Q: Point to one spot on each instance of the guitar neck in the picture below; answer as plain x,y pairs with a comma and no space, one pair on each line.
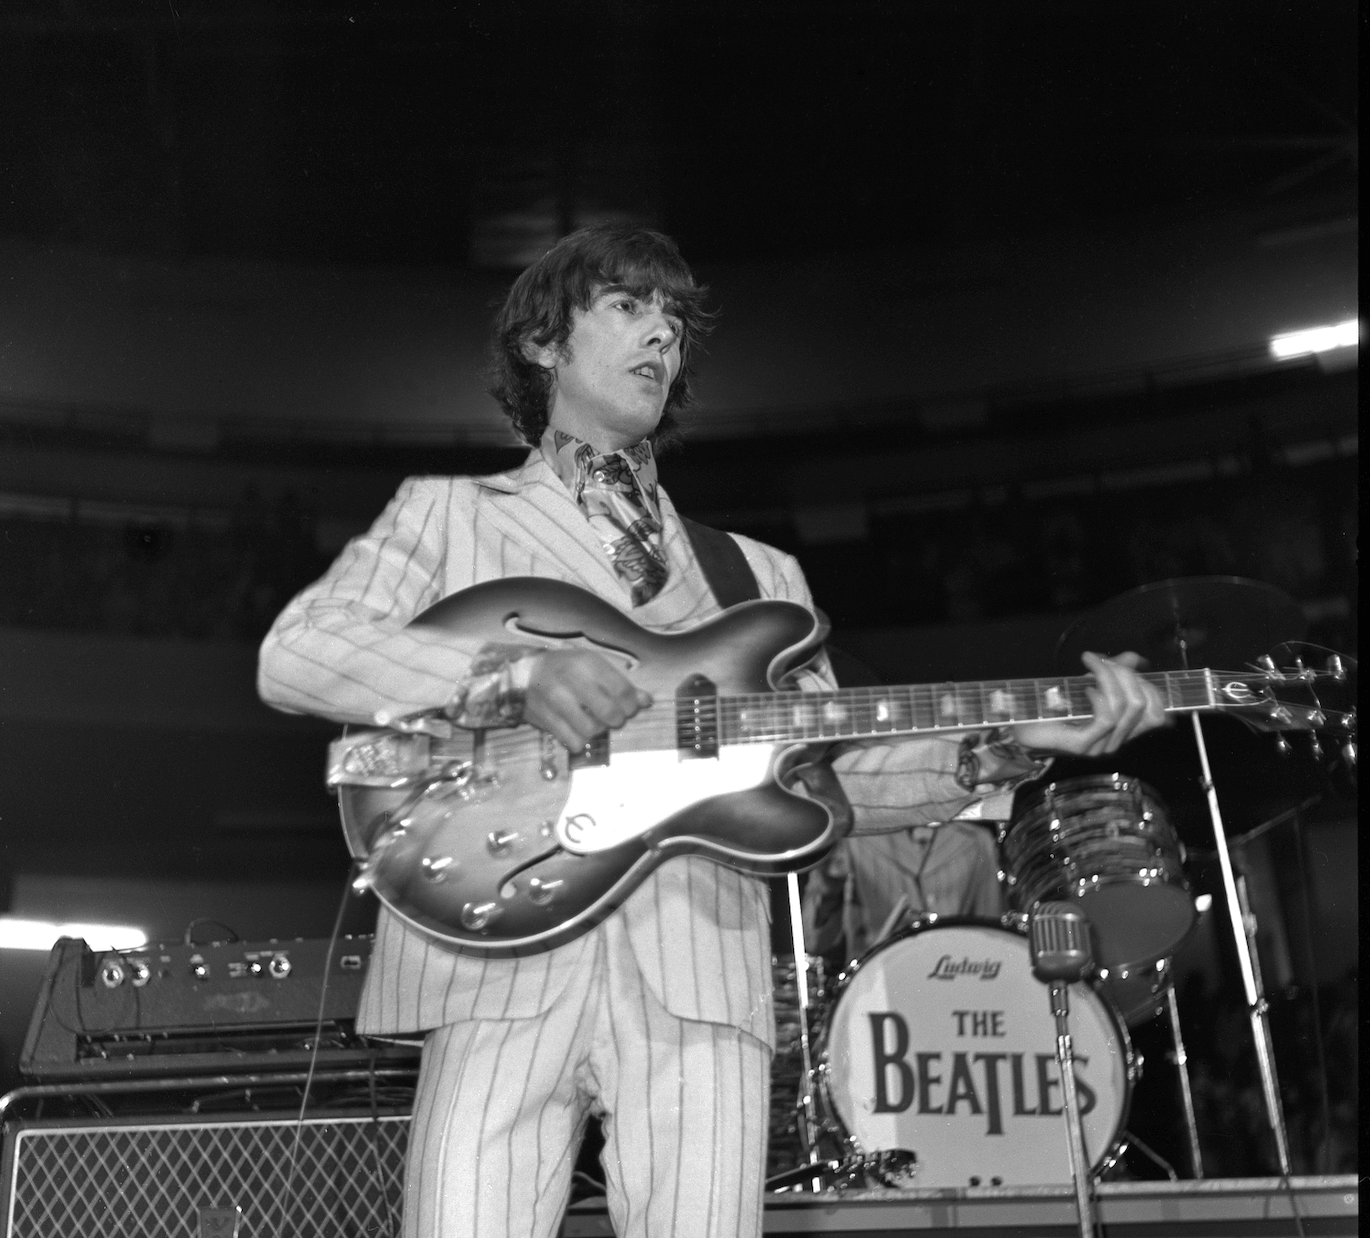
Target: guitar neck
914,709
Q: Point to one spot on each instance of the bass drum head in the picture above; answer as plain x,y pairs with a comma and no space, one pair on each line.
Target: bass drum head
942,1042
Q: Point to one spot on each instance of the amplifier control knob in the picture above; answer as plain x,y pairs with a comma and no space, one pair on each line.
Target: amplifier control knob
200,971
279,967
140,973
112,974
254,968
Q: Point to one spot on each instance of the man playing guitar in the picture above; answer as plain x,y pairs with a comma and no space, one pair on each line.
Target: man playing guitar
657,1016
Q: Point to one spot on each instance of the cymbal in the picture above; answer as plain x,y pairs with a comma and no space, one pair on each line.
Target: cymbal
1195,621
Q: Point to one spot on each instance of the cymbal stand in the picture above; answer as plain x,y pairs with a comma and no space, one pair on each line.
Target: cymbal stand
1244,935
1196,1163
808,1113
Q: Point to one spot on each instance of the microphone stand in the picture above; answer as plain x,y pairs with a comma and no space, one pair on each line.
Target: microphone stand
1061,953
1243,934
1065,1059
808,1115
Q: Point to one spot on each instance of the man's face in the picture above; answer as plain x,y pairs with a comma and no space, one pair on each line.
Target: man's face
611,379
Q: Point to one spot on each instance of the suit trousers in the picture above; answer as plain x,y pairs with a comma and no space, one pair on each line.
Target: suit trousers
503,1104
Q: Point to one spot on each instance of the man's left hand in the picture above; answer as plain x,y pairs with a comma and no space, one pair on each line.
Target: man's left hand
1124,704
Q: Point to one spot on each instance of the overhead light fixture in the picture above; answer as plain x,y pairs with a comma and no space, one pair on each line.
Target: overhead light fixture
17,933
1315,340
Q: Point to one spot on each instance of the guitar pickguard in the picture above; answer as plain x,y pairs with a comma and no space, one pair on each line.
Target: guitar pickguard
624,799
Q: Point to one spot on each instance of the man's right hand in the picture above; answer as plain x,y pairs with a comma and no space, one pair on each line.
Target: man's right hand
574,694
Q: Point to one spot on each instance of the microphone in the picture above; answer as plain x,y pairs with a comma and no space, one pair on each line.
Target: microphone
1058,935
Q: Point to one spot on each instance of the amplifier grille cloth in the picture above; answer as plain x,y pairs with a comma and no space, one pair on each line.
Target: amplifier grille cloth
146,1181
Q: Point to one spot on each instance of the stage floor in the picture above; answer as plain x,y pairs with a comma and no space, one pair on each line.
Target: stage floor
1207,1208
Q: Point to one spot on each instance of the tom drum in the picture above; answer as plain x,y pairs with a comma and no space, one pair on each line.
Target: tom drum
1106,843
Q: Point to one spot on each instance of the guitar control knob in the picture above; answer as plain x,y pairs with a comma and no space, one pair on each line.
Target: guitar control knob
477,916
279,967
500,841
543,892
139,973
199,971
435,867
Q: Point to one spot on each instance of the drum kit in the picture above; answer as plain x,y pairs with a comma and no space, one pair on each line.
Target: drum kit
930,1061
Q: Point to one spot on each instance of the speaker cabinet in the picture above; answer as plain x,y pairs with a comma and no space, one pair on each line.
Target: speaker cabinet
199,1177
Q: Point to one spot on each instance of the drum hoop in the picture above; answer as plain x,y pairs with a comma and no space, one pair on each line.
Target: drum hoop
1040,795
1011,922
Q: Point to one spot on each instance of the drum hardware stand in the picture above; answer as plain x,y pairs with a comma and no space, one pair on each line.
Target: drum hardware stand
897,913
1181,1059
1061,954
1244,935
808,1114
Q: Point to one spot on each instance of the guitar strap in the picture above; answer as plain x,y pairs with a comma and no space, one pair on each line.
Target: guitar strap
732,580
725,567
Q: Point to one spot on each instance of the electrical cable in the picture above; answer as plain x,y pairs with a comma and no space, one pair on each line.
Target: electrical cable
293,1160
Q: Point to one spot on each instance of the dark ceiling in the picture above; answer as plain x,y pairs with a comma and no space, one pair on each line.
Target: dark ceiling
468,134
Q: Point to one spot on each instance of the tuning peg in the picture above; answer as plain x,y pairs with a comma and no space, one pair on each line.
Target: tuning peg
1349,752
1336,668
1282,744
1267,664
1315,745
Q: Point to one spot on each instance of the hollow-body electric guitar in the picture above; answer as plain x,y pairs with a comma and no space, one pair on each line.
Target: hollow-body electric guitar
503,843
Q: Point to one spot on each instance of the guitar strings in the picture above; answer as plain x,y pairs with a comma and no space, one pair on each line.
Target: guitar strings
778,717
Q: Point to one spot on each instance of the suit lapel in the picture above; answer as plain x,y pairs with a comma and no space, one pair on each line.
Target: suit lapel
532,507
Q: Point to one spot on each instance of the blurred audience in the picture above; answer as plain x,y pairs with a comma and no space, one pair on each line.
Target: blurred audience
225,579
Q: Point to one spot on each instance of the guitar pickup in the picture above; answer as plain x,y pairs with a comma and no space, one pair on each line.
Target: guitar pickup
596,752
696,718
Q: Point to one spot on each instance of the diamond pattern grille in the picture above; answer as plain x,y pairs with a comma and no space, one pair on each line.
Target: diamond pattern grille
146,1181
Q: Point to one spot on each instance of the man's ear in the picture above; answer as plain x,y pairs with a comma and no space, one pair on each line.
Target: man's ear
545,355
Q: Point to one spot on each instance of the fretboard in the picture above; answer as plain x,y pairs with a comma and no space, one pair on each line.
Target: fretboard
858,713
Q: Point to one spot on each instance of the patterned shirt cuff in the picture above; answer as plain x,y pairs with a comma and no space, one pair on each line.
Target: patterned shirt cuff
493,693
996,761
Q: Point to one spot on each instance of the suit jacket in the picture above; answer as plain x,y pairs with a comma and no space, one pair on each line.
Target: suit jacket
342,649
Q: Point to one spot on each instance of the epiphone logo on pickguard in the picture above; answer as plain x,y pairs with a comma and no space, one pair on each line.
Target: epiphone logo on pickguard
946,969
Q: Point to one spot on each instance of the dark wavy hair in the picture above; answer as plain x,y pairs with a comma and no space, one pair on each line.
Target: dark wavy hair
568,277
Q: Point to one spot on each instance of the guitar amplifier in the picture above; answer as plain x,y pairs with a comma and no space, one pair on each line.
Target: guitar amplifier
240,1176
190,1009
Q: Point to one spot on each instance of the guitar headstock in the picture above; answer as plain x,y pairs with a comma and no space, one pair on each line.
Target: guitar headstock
1295,696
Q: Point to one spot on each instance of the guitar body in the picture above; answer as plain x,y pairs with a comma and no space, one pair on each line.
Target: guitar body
502,843
526,847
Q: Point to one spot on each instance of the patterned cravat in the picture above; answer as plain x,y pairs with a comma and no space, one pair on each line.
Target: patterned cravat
618,494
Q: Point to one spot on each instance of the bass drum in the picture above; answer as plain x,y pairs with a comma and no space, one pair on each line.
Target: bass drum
941,1041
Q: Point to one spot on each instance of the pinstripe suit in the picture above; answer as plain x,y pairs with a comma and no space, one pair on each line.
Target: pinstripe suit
694,938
